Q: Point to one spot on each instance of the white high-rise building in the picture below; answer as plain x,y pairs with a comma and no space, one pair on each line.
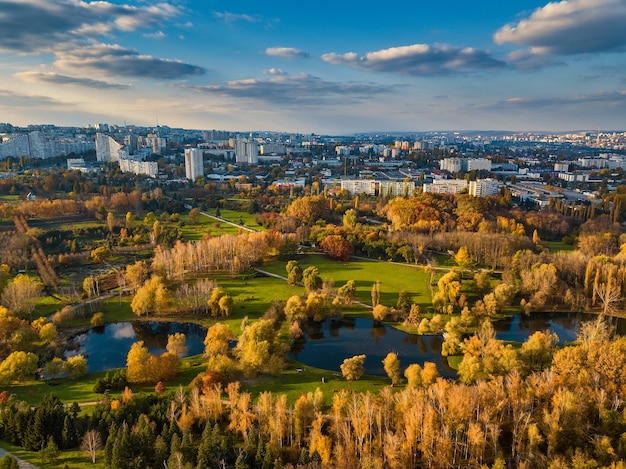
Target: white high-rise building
246,152
194,165
108,149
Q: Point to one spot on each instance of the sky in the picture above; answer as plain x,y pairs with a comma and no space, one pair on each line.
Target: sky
322,67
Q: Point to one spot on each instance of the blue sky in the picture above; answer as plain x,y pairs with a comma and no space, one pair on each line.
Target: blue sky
325,67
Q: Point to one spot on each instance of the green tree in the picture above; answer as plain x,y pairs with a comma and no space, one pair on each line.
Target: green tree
294,272
311,279
404,302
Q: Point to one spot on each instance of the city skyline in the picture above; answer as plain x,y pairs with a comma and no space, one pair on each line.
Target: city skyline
331,68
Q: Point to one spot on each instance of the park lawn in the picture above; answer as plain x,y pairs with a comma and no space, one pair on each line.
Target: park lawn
393,277
253,295
236,216
556,246
81,389
294,383
73,458
46,306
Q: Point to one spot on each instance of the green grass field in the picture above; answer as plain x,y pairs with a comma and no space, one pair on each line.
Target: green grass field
393,278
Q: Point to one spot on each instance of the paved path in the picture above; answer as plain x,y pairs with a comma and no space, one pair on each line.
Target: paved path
23,464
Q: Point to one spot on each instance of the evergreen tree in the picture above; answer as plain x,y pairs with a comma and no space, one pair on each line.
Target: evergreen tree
69,438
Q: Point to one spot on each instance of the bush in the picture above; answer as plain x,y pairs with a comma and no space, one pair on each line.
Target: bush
97,320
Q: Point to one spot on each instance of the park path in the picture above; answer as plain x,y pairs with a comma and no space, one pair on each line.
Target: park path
22,464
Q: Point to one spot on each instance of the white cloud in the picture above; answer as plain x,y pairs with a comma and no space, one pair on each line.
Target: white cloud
229,17
570,27
155,35
116,60
35,26
60,79
419,60
294,90
286,52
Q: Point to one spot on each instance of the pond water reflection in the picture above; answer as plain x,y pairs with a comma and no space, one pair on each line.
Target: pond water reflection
328,343
107,347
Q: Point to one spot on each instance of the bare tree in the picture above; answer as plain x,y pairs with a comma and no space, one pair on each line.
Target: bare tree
91,444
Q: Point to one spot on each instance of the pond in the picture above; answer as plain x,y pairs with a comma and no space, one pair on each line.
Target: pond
328,343
107,347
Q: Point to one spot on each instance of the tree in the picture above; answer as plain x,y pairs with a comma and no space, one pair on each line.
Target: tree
136,274
404,302
294,273
347,292
151,296
194,213
176,344
75,366
97,320
217,339
100,254
375,293
259,348
353,368
463,258
22,294
18,366
311,279
110,221
137,363
214,301
53,368
295,309
91,443
226,304
391,364
349,218
48,332
380,312
336,247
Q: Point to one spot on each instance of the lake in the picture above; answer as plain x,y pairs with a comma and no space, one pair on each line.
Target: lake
107,347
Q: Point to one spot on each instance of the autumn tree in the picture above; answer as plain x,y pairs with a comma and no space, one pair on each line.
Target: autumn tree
353,368
336,247
217,339
294,272
380,312
22,294
295,309
152,296
18,366
259,348
136,274
176,344
75,366
375,293
391,365
347,292
311,279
